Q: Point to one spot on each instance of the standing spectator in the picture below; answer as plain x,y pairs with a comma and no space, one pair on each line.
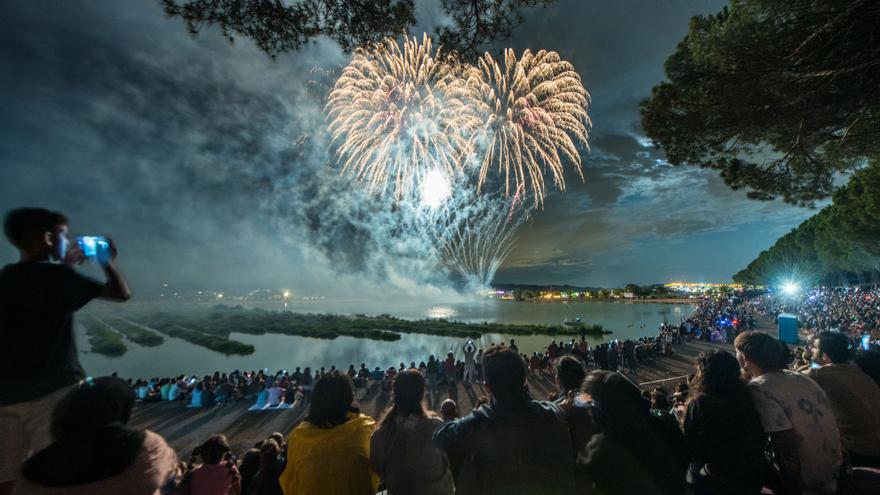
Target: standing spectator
95,452
449,369
631,450
854,397
722,429
329,452
401,451
514,445
218,475
795,412
433,368
38,358
469,350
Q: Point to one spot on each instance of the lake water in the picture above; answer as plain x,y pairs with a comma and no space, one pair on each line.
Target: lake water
174,356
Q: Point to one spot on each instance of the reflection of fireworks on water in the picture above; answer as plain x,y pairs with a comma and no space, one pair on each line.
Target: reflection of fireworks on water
537,114
395,112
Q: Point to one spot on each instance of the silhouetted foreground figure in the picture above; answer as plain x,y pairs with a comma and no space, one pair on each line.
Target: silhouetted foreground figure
38,358
513,445
94,452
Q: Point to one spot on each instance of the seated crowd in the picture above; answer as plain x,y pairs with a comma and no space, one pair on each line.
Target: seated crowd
748,424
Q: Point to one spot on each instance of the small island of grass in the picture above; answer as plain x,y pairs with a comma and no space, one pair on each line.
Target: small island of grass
102,338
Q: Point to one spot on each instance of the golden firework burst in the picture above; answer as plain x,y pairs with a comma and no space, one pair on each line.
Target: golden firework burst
536,110
400,112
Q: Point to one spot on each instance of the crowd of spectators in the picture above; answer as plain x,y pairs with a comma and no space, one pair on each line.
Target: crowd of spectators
744,423
854,311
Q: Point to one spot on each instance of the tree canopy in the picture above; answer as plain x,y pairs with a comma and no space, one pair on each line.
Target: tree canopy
780,97
278,27
841,238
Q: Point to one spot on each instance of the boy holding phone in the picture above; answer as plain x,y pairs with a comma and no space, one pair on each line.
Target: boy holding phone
38,357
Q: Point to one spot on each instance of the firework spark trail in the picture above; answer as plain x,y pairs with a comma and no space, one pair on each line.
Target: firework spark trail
398,112
536,114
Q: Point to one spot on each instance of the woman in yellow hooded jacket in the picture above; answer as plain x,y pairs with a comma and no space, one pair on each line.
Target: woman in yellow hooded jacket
329,452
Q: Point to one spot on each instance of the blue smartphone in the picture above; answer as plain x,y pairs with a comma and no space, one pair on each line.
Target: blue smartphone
866,342
95,247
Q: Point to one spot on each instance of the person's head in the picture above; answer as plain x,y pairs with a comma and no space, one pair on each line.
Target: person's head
96,403
448,410
250,463
831,347
213,449
505,372
615,398
717,373
570,373
331,400
758,352
278,437
408,390
38,233
269,452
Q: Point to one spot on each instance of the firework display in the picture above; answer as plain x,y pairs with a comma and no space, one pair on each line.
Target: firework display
396,114
537,113
458,147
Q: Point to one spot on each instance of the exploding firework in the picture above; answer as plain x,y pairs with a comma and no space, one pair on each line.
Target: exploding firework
398,112
536,111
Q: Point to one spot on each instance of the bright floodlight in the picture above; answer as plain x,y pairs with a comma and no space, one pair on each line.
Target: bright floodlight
435,188
790,288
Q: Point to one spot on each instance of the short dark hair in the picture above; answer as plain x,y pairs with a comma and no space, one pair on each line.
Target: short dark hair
761,349
213,449
835,344
95,404
23,225
570,373
505,371
331,400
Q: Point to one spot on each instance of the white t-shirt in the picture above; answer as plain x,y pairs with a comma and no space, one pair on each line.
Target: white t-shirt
790,401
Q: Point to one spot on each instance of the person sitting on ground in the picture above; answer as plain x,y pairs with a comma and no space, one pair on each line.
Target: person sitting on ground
38,360
489,446
570,374
449,410
795,412
722,430
329,452
265,481
218,475
630,451
197,393
94,451
853,395
262,399
401,451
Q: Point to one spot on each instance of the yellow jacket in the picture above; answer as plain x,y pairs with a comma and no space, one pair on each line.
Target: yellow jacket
334,461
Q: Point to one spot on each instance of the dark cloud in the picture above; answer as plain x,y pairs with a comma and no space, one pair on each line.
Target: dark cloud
197,154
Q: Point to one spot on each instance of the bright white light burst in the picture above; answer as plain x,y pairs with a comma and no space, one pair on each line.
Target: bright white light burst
435,188
790,288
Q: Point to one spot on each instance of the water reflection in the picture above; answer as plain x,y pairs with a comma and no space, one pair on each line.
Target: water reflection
276,352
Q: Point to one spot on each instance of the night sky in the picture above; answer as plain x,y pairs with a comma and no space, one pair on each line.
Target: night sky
183,149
